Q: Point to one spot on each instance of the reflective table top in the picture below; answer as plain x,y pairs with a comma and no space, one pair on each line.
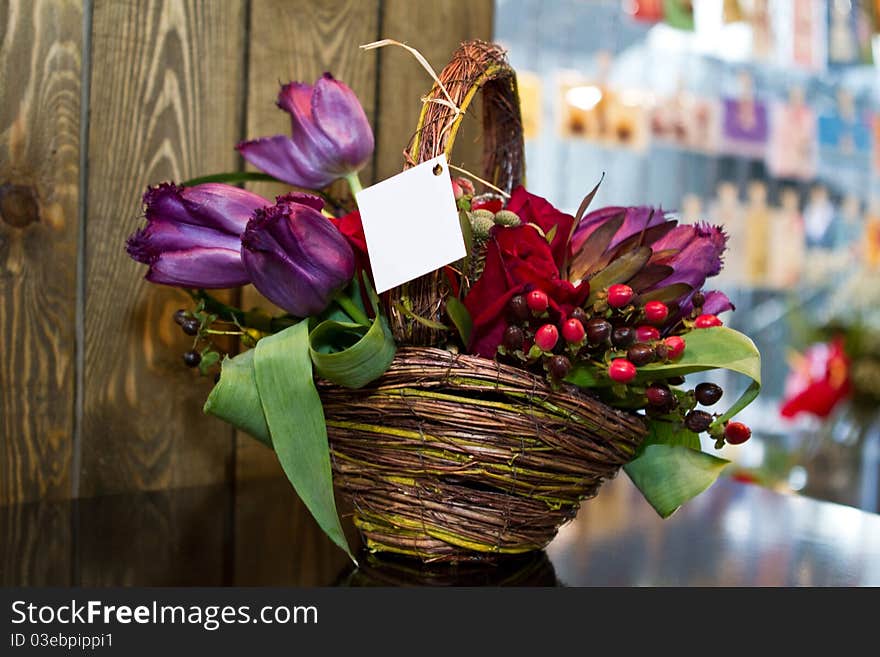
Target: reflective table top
257,533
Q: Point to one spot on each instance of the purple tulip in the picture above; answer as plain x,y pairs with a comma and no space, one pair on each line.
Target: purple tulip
331,137
295,256
192,237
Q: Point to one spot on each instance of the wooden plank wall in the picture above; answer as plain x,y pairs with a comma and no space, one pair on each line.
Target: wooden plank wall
99,98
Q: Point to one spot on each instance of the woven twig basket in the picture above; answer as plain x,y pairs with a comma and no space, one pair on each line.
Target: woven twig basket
450,457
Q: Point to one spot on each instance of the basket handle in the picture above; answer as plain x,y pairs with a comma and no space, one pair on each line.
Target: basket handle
474,65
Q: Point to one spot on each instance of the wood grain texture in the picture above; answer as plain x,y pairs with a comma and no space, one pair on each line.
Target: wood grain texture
40,64
436,29
165,105
327,38
36,548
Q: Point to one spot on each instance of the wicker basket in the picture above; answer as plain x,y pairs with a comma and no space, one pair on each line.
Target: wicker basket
451,457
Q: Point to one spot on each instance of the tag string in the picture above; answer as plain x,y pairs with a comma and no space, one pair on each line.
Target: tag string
478,179
448,102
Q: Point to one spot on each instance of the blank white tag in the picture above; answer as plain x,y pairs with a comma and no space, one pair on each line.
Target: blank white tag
411,224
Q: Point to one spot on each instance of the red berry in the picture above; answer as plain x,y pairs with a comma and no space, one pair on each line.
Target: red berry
546,337
647,334
619,295
573,331
538,301
736,433
621,370
707,321
656,312
674,346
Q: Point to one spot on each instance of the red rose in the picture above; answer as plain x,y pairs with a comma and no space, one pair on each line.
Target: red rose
518,260
536,210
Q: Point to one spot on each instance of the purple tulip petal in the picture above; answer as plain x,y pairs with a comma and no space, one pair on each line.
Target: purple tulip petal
337,112
213,205
701,247
223,206
716,303
279,157
296,257
160,236
199,267
310,200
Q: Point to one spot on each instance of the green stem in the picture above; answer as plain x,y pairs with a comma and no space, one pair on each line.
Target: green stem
354,183
352,309
255,319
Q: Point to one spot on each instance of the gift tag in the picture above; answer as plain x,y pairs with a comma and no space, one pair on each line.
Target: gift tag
411,224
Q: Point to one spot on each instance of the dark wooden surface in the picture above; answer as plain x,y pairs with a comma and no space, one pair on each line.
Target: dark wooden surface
40,66
256,533
171,86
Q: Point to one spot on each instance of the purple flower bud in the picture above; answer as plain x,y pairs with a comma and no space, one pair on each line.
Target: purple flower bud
295,256
331,136
192,236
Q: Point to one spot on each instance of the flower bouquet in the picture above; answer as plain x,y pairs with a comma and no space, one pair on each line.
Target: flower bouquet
468,412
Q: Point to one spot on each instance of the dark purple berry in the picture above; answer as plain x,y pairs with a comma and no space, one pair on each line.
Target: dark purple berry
640,354
598,330
180,316
559,367
661,350
658,396
519,308
191,326
192,358
675,380
708,393
513,338
698,299
697,421
622,337
580,315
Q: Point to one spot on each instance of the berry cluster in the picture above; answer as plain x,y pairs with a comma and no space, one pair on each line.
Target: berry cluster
198,324
617,335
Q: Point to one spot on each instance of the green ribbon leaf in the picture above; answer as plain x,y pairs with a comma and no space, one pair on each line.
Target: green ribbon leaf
346,355
235,398
295,418
670,475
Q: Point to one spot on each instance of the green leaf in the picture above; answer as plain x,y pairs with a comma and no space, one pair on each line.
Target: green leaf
619,271
460,316
671,433
235,399
209,359
295,418
230,177
668,475
346,355
424,321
